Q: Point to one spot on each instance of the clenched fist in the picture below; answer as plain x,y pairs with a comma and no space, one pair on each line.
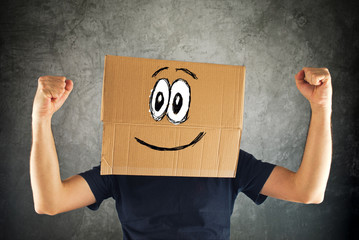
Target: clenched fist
51,93
315,84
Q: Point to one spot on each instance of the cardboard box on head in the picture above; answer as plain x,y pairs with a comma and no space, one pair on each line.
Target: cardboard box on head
171,118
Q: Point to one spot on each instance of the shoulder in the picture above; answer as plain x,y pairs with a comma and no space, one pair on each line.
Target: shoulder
98,182
245,158
244,155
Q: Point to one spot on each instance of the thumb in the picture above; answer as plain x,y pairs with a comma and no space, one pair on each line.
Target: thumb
300,75
299,79
68,88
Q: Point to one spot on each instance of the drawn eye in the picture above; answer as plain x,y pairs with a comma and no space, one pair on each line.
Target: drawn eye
180,99
159,99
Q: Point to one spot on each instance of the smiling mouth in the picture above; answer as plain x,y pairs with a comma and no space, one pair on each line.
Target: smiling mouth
194,141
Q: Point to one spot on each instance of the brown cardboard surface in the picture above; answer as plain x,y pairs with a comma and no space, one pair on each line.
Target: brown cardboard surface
135,142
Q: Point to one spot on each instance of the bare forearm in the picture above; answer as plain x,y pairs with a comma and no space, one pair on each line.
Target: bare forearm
308,184
313,173
44,168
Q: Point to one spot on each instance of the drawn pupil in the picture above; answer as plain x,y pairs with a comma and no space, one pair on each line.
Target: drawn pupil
177,103
159,101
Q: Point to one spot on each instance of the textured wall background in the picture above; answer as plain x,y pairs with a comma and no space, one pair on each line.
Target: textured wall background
273,39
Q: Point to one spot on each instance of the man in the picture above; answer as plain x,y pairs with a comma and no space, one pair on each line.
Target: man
180,207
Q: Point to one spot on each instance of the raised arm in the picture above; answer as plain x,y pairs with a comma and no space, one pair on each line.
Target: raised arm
51,194
308,184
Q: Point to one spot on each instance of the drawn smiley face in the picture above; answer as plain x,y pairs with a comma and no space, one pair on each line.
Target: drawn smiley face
172,101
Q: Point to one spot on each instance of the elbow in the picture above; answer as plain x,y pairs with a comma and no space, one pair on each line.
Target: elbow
313,198
45,210
47,204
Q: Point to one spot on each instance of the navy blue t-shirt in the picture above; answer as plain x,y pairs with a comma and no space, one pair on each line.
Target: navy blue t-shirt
156,207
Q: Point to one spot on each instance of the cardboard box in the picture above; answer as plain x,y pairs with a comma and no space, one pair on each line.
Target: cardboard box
171,118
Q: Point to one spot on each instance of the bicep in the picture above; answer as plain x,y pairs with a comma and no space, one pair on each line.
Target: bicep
281,185
76,194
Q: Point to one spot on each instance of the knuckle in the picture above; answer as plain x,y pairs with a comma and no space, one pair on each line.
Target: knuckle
60,85
60,91
42,87
45,92
41,79
42,84
325,71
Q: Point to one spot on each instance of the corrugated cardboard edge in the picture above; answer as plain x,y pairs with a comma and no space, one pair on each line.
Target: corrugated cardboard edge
103,88
241,119
106,168
242,101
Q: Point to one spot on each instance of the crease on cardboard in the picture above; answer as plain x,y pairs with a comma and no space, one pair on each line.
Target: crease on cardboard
200,165
107,166
233,108
218,150
237,89
167,125
177,153
220,160
220,131
222,95
113,144
128,147
175,163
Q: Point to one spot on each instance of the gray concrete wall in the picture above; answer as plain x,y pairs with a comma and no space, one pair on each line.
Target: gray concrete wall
273,39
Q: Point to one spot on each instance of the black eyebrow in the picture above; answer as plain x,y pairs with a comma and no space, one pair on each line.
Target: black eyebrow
188,72
159,70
